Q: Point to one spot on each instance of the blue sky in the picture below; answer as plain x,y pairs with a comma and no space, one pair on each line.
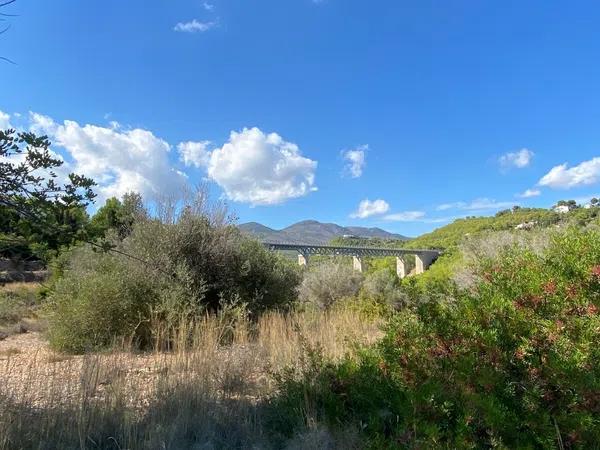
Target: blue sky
298,109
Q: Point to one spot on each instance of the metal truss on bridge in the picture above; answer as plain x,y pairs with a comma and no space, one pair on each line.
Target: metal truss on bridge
332,250
423,258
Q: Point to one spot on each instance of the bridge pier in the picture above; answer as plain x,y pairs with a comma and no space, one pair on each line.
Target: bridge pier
400,267
302,260
423,257
357,263
423,261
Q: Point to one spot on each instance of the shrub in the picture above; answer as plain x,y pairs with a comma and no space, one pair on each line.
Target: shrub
514,363
383,287
219,261
102,297
325,284
161,271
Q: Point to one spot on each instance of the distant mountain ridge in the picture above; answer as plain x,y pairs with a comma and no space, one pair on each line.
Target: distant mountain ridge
313,232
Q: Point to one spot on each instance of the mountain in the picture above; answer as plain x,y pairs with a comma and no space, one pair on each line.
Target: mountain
313,232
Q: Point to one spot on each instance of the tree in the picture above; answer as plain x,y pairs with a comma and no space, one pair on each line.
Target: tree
571,204
118,215
594,201
37,204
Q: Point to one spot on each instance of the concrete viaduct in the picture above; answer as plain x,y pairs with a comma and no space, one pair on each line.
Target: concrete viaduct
423,258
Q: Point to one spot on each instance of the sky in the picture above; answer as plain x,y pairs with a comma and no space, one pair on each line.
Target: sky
399,114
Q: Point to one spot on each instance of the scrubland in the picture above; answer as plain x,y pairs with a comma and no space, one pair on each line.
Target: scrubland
183,333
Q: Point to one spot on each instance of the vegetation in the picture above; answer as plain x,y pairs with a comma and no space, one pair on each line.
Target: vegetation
19,308
495,346
38,213
160,273
511,364
326,284
201,394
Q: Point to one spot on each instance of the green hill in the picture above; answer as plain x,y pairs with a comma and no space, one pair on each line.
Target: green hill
449,237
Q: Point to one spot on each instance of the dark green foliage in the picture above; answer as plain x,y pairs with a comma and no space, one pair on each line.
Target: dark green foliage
22,237
514,363
30,186
102,297
118,215
572,204
162,274
38,214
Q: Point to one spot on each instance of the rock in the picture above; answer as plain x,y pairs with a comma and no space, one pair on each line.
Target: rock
3,335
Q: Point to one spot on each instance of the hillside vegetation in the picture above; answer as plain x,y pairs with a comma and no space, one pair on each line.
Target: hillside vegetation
510,362
451,237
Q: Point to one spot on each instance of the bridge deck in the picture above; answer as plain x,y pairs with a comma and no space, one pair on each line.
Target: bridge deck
307,249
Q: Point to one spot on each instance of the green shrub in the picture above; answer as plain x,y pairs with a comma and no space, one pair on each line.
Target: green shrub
327,283
512,363
220,262
161,272
102,297
383,287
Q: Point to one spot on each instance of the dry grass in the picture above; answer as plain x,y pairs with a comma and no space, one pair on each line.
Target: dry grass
18,308
201,394
18,287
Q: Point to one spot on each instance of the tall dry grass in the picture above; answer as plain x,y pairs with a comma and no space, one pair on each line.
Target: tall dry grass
207,391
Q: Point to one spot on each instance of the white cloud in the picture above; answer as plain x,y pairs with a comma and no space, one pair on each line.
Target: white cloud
251,167
368,208
261,169
519,159
194,26
530,193
208,6
479,204
4,121
406,216
40,124
118,160
563,177
454,205
355,161
194,154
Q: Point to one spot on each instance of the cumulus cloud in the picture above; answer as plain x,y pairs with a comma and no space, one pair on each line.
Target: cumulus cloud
208,6
519,159
479,204
119,160
368,208
530,193
355,161
406,216
563,177
194,26
194,154
4,121
257,168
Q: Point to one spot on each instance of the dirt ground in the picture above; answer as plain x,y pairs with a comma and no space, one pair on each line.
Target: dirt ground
32,373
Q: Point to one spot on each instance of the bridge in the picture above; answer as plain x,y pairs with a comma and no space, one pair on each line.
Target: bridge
423,258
